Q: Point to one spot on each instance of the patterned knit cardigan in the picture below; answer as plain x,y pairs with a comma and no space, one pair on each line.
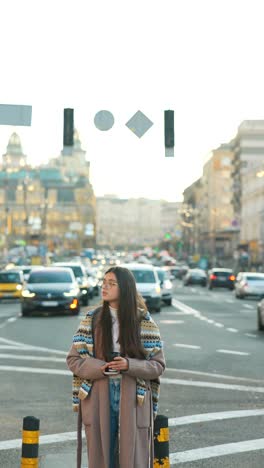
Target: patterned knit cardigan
84,344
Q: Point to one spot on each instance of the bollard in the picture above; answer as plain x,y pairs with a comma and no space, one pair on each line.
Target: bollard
161,442
30,442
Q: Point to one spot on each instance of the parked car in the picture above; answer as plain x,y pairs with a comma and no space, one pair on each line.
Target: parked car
11,283
195,276
165,285
148,284
249,284
80,274
50,289
221,278
260,315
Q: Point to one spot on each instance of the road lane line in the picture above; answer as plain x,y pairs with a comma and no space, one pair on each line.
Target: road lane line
218,416
188,383
248,306
219,376
251,335
22,357
232,330
197,383
181,345
217,451
229,351
35,348
172,321
35,370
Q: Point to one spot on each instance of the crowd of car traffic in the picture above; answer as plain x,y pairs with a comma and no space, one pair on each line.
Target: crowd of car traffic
68,285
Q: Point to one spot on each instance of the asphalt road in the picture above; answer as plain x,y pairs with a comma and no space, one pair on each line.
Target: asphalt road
212,390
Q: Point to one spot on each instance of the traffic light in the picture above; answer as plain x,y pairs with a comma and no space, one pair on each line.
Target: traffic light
68,127
169,128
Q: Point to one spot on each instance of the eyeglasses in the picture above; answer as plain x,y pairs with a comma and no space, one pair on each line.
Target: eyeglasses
109,284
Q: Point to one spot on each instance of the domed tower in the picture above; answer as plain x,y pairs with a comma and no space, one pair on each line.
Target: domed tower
14,158
74,163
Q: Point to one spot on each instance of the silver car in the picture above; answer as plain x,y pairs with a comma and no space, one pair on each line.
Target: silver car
249,284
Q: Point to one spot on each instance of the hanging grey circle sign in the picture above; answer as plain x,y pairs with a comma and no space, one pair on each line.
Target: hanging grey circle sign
104,120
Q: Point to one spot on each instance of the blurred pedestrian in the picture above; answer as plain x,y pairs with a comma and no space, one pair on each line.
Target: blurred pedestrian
117,359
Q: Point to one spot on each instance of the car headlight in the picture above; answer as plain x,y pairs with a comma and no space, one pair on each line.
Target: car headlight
71,293
27,293
19,287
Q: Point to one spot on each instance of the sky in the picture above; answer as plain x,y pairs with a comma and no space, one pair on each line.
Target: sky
203,59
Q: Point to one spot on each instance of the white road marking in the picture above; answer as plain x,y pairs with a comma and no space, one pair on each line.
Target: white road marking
171,321
218,416
31,358
248,306
12,319
17,348
207,374
218,376
232,330
217,451
197,383
180,345
240,388
35,348
228,351
35,370
175,313
230,301
177,457
220,325
251,335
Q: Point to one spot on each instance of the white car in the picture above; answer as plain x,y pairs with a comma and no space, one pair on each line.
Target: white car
165,284
249,284
148,284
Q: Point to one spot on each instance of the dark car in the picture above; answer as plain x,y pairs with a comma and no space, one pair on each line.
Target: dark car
195,276
50,289
81,278
221,278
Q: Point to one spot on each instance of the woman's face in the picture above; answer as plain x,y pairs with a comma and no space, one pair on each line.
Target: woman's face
110,289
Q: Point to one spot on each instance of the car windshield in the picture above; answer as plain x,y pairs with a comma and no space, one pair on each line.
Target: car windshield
50,277
222,273
10,278
254,278
76,270
144,276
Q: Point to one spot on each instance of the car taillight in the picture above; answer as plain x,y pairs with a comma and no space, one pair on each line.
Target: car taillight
212,277
232,277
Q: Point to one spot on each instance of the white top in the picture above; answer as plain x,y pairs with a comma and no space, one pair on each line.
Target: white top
115,330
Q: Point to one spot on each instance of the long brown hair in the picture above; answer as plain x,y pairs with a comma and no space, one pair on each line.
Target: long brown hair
128,314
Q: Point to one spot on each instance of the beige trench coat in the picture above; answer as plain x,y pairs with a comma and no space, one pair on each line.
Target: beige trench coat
136,422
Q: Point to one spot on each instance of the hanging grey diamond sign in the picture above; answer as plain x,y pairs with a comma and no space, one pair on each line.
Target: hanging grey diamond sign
139,124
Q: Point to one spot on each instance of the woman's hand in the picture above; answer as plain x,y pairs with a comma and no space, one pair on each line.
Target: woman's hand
118,364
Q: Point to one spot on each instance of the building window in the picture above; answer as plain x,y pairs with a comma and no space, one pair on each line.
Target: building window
65,195
11,194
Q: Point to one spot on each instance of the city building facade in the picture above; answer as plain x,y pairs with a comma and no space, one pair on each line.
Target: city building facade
53,204
127,223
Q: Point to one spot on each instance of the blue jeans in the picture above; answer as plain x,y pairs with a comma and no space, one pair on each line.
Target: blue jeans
114,397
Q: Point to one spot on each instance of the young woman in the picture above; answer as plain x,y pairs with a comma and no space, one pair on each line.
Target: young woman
117,359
